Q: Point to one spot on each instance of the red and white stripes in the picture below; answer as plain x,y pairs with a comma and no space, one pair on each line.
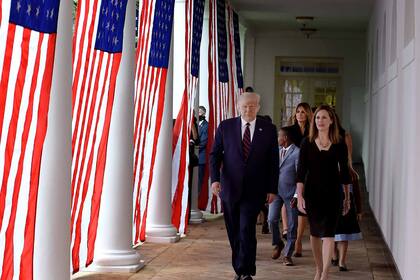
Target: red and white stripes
26,62
181,132
222,97
149,103
94,78
218,94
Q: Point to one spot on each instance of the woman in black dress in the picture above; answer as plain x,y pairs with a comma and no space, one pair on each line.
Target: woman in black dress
322,169
348,226
301,121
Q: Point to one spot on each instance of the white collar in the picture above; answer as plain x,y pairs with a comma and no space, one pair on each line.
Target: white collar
286,149
252,123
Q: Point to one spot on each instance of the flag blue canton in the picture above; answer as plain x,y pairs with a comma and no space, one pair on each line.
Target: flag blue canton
109,34
237,41
161,35
38,15
196,39
222,41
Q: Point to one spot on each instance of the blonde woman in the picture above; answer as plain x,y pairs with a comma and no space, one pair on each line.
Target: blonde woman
322,169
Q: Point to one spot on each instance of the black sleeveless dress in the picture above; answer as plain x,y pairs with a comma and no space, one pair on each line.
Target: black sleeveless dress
323,172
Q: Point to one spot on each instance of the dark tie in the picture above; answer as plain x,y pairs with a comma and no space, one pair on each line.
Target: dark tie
246,141
282,154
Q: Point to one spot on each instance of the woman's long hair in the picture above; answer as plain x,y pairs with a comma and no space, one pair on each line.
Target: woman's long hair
333,132
305,106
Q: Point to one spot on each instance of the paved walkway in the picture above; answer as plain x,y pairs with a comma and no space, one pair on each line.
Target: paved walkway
205,254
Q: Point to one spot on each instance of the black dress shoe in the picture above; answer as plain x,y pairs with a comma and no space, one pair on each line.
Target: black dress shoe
342,268
246,277
265,229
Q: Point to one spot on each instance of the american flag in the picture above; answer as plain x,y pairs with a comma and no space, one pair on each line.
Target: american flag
155,31
221,86
181,137
218,87
236,87
27,46
97,50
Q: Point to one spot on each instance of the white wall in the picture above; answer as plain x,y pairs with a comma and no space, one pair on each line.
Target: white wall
391,152
262,48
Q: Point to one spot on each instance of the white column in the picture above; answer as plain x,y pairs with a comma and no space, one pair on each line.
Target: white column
52,228
159,228
204,61
113,248
203,93
242,34
196,217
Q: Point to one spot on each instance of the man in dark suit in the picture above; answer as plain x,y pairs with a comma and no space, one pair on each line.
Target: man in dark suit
289,157
203,127
244,172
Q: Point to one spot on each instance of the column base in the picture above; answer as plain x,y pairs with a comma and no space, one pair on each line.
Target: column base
196,217
157,239
162,234
116,261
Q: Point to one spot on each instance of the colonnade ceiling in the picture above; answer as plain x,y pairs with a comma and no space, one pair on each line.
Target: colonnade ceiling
330,15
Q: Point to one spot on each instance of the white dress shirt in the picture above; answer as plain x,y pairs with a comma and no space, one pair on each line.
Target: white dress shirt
286,149
251,127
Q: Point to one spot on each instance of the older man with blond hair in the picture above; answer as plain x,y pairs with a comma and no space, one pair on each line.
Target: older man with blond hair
244,173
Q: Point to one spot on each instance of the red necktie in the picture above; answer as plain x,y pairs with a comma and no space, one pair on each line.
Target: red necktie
246,141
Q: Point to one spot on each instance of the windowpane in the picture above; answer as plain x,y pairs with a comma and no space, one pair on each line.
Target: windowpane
297,98
288,101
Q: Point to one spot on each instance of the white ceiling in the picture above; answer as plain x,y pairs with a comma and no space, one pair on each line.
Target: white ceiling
330,15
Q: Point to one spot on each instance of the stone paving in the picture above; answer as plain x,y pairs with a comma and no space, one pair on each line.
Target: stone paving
205,254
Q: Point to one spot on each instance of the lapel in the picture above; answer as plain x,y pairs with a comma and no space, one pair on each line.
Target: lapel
288,153
238,135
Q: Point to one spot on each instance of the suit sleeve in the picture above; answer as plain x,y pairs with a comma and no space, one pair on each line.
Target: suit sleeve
204,137
216,155
274,162
297,159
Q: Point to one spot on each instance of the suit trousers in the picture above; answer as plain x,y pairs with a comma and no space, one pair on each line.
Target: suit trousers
240,219
274,212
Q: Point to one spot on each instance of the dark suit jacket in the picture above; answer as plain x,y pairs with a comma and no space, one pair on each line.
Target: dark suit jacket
256,176
203,136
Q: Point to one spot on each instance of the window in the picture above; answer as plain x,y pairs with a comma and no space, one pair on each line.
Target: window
293,93
325,91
